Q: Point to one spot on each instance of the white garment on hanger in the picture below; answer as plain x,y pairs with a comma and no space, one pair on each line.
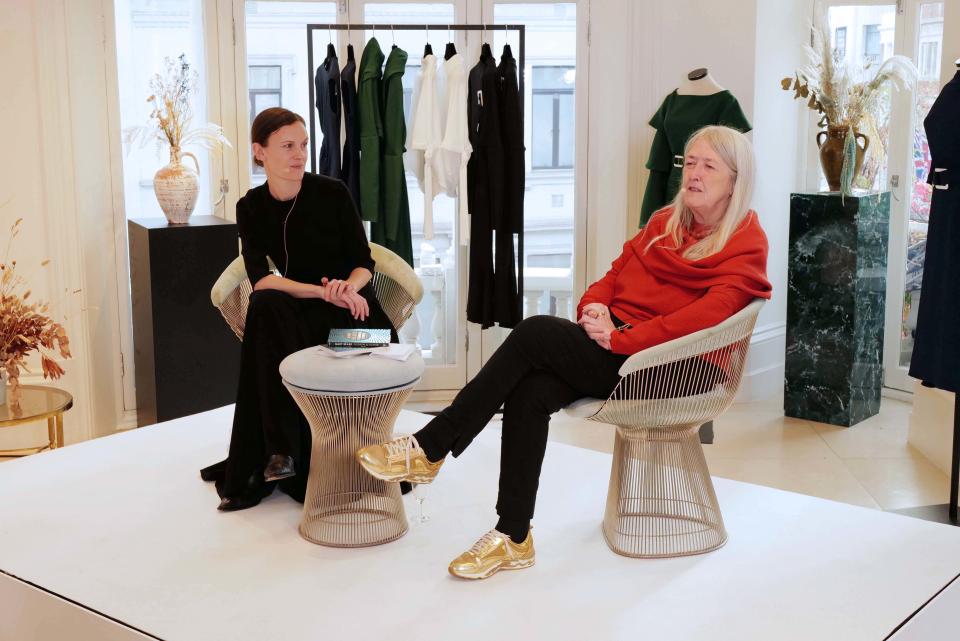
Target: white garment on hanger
450,161
424,137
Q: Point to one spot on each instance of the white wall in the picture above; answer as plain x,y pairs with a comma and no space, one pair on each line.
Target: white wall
778,140
60,181
748,46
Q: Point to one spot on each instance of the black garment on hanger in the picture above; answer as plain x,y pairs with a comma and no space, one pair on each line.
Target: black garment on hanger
936,350
495,177
327,81
484,185
508,304
450,52
350,171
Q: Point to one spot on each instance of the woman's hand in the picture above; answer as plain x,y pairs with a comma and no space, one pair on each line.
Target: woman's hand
596,310
336,288
343,294
599,326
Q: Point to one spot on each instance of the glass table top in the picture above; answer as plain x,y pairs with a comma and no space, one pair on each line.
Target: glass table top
36,402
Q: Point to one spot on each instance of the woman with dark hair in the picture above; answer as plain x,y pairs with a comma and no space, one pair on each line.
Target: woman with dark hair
309,227
696,263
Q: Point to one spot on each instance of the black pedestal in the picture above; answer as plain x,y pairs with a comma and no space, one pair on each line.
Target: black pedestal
187,359
835,306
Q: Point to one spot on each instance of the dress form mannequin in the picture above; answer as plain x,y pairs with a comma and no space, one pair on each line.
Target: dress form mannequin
698,82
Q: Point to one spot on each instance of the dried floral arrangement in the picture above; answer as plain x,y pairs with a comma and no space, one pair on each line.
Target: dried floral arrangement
24,326
172,114
831,89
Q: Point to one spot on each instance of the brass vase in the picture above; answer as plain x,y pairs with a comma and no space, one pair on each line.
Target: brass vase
831,153
177,186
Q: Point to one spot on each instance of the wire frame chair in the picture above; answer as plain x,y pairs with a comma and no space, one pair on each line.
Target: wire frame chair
661,501
395,284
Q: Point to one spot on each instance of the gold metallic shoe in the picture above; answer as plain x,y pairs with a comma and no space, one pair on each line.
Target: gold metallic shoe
401,459
494,551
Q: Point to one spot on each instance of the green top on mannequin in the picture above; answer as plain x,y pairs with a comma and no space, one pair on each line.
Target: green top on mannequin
675,121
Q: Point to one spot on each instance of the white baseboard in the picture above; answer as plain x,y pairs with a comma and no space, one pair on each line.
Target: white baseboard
765,366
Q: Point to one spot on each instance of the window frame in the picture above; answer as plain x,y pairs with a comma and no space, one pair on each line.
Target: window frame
555,117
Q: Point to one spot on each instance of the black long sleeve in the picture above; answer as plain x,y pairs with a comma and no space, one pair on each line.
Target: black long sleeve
252,247
320,235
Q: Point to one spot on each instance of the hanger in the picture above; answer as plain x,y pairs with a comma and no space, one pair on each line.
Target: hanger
427,49
393,36
451,47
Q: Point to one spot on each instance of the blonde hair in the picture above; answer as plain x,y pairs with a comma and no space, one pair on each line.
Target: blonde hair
736,153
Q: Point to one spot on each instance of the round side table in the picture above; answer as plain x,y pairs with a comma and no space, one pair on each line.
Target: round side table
37,402
349,402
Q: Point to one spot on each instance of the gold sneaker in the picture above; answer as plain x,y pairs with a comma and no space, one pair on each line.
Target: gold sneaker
401,459
494,551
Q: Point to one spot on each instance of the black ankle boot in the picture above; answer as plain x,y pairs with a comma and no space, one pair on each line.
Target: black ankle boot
278,467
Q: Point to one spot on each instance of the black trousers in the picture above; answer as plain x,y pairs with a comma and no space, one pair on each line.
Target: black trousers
545,364
266,420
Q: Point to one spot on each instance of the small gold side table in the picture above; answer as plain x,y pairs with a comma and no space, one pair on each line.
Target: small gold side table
37,402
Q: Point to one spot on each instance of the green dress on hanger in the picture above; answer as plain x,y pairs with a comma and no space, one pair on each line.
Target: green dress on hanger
675,121
392,229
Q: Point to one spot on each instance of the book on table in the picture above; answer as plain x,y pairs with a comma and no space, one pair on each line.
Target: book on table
357,338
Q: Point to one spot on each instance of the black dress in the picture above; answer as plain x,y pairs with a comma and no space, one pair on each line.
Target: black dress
350,169
327,84
323,238
508,304
485,186
936,350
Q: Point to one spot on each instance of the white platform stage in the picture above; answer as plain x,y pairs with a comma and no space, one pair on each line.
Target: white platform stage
119,539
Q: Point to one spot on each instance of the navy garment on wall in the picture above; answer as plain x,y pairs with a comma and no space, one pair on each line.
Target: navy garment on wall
327,82
936,349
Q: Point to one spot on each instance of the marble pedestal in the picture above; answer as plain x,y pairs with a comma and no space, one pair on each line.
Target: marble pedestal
835,306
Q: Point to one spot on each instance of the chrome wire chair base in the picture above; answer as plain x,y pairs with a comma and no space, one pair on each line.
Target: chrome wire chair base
369,518
344,506
661,501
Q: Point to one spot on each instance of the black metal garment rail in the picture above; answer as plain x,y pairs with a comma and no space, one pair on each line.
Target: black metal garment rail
342,26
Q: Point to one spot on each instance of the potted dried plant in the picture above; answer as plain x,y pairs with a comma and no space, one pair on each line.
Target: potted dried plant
176,185
25,327
844,99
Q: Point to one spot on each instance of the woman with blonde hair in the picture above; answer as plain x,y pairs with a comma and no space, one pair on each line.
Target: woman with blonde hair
697,262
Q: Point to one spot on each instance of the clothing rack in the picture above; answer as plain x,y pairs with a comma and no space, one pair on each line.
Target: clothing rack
342,26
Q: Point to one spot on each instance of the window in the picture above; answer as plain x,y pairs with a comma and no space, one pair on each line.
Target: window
871,44
409,78
265,82
147,32
549,260
265,91
553,117
929,58
840,41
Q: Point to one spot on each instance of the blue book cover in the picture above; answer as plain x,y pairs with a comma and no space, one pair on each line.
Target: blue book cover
359,337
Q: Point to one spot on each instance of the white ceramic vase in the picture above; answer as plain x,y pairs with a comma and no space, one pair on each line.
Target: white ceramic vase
177,186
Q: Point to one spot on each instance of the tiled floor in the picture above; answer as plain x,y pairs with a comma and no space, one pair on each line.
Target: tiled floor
869,464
